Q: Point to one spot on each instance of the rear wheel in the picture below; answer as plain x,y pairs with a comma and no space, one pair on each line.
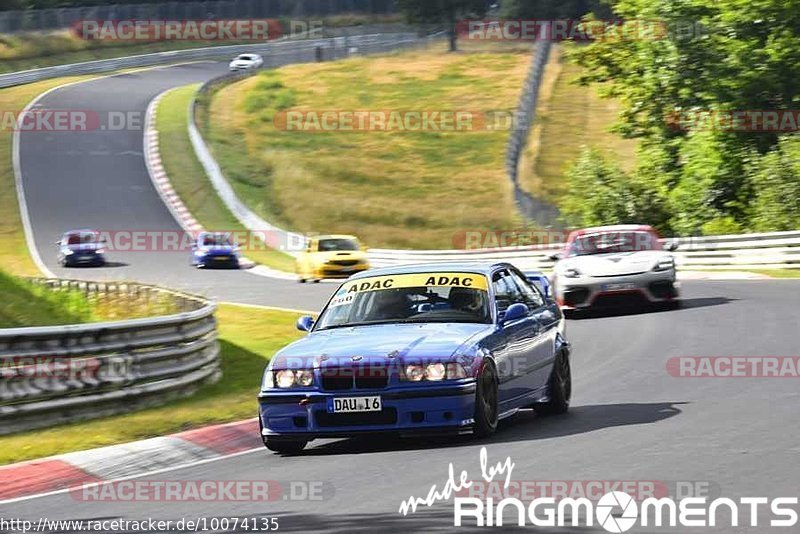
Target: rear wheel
284,446
486,411
560,386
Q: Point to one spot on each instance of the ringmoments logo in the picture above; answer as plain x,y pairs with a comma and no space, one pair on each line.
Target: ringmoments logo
615,511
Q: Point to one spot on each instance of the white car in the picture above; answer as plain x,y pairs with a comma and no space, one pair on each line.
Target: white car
614,265
246,62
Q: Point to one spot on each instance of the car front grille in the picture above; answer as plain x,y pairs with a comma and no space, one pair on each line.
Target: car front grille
387,416
343,379
345,263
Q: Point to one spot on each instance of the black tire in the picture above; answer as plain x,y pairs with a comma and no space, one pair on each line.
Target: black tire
285,446
486,405
560,388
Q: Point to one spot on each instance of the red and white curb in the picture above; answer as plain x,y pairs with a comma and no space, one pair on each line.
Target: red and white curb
158,175
77,469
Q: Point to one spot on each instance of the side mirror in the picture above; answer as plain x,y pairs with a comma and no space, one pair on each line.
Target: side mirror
514,312
557,256
305,323
672,246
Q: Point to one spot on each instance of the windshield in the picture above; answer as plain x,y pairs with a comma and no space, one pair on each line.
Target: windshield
216,241
409,298
245,58
83,238
333,245
613,242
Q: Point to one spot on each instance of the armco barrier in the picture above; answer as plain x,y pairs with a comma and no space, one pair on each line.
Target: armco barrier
58,374
335,37
778,250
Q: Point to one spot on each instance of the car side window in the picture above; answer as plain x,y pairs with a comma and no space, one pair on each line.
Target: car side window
506,292
531,295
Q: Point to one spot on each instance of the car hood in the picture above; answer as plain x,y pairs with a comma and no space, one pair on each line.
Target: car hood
411,342
615,263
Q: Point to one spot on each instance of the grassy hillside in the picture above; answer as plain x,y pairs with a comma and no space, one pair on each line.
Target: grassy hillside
569,116
392,188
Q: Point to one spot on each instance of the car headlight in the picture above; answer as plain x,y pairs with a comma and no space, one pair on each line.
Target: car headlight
267,381
284,379
435,372
100,251
415,373
68,252
304,378
664,265
572,272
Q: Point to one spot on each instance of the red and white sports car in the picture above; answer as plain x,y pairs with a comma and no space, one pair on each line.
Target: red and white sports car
613,265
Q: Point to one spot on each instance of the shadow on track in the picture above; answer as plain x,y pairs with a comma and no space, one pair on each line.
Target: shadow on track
524,426
683,304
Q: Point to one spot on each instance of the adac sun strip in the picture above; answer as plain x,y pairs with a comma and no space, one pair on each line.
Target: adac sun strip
379,283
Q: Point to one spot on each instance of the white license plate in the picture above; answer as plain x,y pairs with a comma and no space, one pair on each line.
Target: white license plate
354,404
622,286
222,258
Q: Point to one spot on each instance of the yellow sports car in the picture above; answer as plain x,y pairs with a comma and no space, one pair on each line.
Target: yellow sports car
331,256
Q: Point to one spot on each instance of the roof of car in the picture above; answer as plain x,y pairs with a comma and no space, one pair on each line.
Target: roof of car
81,231
477,267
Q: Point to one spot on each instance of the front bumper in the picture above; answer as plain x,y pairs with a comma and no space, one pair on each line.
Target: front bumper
230,261
407,410
76,259
339,271
589,291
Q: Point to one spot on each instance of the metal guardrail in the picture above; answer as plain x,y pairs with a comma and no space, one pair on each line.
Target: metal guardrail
337,48
336,37
778,250
59,374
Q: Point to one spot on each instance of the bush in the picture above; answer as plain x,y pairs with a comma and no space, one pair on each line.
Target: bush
776,183
601,193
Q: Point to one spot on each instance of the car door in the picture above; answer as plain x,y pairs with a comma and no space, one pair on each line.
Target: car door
517,351
541,356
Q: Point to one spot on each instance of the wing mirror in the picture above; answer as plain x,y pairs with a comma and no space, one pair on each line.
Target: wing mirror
305,323
557,256
514,312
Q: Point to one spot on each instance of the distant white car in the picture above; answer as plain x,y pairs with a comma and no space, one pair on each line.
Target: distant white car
609,265
246,62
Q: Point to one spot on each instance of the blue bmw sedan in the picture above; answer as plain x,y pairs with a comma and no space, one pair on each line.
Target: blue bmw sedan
418,349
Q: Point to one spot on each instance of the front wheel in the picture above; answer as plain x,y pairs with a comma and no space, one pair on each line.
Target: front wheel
486,412
560,387
284,446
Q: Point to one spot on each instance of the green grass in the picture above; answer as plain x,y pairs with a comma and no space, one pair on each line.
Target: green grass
248,337
187,176
392,189
29,304
569,117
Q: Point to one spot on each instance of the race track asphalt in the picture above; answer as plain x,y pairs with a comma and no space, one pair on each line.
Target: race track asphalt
630,420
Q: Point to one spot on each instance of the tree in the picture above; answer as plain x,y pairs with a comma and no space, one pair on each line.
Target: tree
601,193
776,184
448,12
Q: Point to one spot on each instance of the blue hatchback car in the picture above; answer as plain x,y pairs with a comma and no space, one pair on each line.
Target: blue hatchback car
214,250
418,349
